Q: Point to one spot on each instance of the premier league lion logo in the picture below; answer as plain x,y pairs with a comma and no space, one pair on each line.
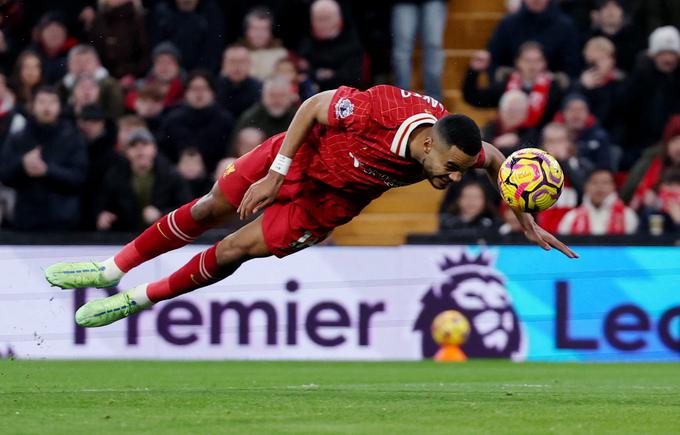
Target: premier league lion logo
477,290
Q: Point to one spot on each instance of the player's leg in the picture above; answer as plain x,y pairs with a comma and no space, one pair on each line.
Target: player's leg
172,231
212,265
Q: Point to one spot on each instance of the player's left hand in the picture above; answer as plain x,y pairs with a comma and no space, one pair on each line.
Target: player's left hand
260,194
543,238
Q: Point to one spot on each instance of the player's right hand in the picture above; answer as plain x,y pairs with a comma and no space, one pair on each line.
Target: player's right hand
260,194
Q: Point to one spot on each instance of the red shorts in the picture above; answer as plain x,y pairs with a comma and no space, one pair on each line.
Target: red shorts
305,210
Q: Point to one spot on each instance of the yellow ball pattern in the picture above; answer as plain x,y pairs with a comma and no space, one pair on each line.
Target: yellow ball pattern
530,180
450,327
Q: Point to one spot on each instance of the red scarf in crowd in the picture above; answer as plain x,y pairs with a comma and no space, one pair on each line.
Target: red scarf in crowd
538,96
617,220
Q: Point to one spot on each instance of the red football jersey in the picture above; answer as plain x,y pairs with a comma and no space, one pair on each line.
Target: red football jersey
363,150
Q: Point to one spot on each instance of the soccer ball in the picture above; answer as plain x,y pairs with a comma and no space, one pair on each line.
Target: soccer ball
530,180
450,327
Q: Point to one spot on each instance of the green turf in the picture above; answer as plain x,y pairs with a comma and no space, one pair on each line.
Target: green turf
315,397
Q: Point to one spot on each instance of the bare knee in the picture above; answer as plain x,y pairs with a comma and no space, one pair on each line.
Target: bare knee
212,209
238,248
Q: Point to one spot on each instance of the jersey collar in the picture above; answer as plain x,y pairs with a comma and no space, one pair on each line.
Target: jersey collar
400,141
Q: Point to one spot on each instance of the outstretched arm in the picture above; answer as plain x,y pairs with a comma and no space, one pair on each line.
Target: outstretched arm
263,192
493,161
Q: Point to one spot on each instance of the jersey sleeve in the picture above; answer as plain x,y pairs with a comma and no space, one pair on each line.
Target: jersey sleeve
349,109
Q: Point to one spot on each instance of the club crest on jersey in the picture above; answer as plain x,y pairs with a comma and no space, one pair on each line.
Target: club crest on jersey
343,108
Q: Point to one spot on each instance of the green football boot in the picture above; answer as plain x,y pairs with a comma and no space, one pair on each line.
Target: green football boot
102,312
78,275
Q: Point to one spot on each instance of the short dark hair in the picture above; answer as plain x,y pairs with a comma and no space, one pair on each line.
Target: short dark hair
50,90
201,74
460,131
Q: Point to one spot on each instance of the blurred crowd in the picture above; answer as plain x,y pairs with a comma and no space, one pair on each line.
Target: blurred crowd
114,112
597,85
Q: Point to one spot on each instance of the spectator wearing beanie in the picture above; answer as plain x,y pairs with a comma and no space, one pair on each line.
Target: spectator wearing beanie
541,21
195,27
166,73
199,123
237,90
140,188
52,43
652,93
119,33
611,21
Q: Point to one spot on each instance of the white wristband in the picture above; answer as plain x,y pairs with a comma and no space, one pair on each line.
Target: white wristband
281,164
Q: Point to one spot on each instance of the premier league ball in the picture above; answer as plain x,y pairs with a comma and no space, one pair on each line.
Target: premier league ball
530,180
450,327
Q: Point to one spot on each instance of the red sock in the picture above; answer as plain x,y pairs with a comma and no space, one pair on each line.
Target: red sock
172,231
200,271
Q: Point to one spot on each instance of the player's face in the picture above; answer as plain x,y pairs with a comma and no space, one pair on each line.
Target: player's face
443,165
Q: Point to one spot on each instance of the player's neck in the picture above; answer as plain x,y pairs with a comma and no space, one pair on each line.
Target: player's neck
414,150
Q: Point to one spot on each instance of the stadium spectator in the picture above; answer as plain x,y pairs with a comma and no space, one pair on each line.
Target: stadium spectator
265,50
149,107
288,67
85,91
11,32
658,13
510,224
471,210
663,215
195,27
556,142
192,169
541,21
100,138
126,124
507,132
83,60
119,34
246,140
237,90
27,78
601,83
602,211
198,123
609,20
544,88
652,94
10,118
165,73
334,52
428,16
274,112
46,162
592,141
644,177
140,188
52,43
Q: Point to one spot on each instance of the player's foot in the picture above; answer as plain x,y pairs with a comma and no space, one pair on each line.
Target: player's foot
79,275
101,312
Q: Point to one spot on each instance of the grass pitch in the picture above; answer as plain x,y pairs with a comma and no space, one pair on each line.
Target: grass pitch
316,397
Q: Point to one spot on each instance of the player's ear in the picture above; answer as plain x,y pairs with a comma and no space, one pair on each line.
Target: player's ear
427,144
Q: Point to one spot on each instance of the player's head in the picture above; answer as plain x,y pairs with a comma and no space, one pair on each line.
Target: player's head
451,150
